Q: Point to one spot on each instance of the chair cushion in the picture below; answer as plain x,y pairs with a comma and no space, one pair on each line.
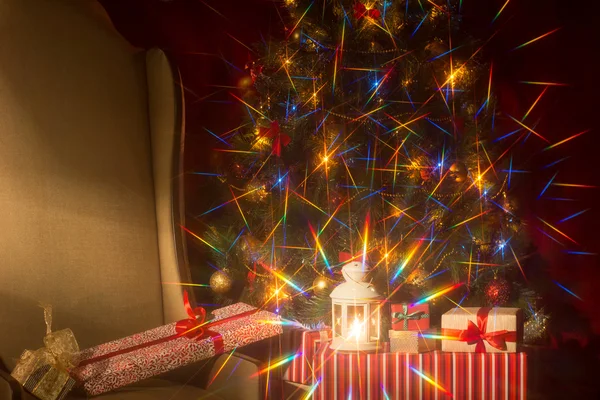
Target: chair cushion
154,389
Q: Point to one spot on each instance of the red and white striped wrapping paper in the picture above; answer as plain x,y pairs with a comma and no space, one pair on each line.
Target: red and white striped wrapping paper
465,376
308,344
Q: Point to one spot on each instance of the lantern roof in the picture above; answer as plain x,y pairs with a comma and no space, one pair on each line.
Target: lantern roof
355,288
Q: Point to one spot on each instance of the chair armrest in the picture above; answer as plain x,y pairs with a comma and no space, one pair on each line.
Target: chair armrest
294,391
236,378
10,389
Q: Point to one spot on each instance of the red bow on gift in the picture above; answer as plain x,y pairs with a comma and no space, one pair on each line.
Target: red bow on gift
360,11
191,327
274,133
477,333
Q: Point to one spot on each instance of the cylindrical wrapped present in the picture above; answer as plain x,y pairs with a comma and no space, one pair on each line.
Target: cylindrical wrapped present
411,342
45,372
482,330
134,358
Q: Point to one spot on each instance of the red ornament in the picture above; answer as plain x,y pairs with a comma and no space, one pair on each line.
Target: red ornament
497,292
360,11
274,133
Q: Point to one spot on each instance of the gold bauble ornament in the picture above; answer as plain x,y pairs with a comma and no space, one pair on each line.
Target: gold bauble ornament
220,282
321,286
458,172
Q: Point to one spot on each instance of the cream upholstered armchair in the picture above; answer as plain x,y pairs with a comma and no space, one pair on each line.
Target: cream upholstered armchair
91,134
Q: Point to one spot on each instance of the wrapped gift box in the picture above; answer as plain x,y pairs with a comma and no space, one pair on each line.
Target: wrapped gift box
411,342
143,355
482,330
45,372
307,343
407,317
426,376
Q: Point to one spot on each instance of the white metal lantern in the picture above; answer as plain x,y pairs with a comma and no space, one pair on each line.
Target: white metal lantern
355,311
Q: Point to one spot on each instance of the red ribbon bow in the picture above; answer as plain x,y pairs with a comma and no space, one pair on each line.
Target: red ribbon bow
360,11
274,133
191,327
477,333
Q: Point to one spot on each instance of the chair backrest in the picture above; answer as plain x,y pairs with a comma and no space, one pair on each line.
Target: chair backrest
78,221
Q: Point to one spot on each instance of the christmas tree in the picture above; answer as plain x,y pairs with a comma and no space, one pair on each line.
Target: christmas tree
371,130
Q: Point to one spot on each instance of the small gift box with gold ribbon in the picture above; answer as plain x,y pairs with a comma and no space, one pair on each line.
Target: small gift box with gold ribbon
482,330
137,357
45,372
409,317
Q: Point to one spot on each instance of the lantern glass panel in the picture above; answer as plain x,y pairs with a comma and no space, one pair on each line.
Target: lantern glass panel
355,319
337,320
374,321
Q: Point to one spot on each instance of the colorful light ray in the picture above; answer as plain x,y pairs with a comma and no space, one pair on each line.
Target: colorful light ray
250,107
230,201
536,39
573,216
469,219
217,137
236,151
482,264
443,54
547,186
574,185
529,129
300,19
567,290
273,230
283,278
312,389
534,103
430,381
499,12
437,294
366,240
406,261
330,218
319,247
240,42
566,140
185,284
317,207
556,230
544,83
276,364
487,102
439,337
221,368
580,253
419,26
202,240
518,262
549,236
239,208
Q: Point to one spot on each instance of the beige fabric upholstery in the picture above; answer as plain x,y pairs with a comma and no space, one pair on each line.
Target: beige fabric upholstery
236,378
165,103
78,224
155,389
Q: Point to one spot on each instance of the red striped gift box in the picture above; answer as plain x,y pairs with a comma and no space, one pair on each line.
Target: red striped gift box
308,344
425,376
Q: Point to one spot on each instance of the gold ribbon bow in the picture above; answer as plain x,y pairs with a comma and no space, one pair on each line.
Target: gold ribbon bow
45,372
